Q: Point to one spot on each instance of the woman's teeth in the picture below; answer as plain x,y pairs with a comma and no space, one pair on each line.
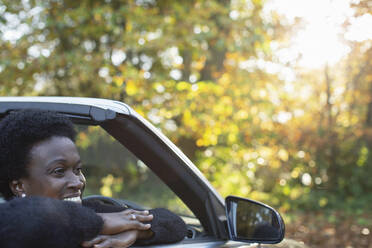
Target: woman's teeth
73,199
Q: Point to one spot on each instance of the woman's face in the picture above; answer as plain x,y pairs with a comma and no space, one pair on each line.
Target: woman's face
55,170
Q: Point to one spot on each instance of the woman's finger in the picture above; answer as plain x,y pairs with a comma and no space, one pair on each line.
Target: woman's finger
108,243
144,212
136,212
94,241
128,211
114,223
133,217
136,225
122,240
144,218
113,244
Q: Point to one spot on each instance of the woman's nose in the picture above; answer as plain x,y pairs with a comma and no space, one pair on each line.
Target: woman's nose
75,181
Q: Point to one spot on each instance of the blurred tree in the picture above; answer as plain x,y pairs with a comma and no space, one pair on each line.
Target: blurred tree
204,72
189,66
334,163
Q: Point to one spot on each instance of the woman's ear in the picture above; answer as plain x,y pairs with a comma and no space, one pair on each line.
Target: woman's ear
16,186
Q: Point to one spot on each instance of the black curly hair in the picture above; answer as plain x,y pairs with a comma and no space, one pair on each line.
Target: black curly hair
19,131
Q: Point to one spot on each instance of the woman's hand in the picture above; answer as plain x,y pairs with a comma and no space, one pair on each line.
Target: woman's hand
121,240
114,223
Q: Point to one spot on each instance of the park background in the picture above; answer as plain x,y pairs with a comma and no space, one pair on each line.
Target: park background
272,100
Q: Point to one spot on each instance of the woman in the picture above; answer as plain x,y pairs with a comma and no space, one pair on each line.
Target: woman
39,158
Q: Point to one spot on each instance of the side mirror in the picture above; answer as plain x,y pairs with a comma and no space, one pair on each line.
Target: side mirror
251,221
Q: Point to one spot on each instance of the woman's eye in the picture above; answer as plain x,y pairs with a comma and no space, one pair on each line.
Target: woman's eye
59,171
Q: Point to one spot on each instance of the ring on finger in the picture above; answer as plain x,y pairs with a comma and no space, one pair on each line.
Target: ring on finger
132,217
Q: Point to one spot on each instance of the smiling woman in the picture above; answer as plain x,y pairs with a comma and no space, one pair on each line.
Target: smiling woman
54,170
39,158
24,135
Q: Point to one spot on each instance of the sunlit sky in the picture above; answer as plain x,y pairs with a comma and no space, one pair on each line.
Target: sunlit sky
321,40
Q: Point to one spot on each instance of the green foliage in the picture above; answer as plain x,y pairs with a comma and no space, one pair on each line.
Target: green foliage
198,70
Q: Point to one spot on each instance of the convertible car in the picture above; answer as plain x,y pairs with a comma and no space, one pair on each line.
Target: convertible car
129,161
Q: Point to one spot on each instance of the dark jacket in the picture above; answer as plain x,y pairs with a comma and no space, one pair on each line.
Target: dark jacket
44,223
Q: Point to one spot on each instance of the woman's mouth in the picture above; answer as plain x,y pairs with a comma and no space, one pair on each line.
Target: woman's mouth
73,199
